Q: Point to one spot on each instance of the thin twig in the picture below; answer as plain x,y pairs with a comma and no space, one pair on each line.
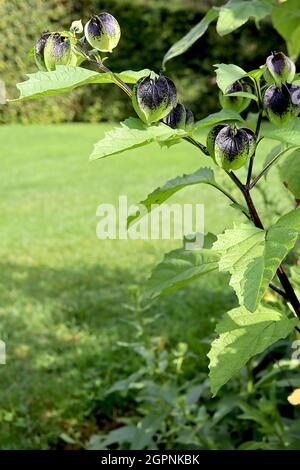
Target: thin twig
267,168
278,291
257,131
105,69
197,144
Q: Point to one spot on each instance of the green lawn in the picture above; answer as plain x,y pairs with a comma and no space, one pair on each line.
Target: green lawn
62,290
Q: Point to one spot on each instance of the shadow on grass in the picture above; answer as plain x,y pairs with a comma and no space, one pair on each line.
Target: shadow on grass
61,327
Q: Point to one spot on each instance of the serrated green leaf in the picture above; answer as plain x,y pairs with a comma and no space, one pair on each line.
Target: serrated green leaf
289,172
286,18
289,134
215,118
242,335
191,37
157,197
65,78
228,74
236,13
131,134
252,256
180,267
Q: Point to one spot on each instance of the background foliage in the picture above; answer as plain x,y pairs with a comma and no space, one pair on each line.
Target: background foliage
143,44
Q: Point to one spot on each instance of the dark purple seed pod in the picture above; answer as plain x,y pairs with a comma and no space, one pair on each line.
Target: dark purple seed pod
189,121
57,51
103,32
154,98
251,140
294,91
281,68
278,104
176,118
232,148
211,139
39,51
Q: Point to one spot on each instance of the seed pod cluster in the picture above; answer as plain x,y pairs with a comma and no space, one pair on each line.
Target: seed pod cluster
154,98
281,98
102,32
230,147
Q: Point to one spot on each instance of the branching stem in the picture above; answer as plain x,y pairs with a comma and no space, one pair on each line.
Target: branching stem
105,69
289,293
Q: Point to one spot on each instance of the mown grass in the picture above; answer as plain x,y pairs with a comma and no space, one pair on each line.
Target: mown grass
62,290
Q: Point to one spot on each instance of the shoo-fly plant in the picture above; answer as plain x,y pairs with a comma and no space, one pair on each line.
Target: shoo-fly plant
254,252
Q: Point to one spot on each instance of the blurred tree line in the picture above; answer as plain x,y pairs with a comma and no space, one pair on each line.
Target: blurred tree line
149,28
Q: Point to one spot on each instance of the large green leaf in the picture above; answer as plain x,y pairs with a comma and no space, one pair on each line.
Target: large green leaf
237,12
286,19
252,256
161,194
290,173
66,78
131,134
288,134
180,267
242,335
215,118
228,74
191,37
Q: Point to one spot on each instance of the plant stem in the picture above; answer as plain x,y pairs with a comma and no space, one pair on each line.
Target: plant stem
197,144
250,169
289,291
105,69
267,168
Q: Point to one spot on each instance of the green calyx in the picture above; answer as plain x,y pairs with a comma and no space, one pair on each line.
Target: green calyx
54,49
278,104
280,68
179,118
103,32
230,147
154,98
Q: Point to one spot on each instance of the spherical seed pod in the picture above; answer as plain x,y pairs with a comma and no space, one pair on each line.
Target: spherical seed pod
57,51
211,139
180,118
232,148
189,121
251,140
236,103
39,51
280,67
294,91
103,32
278,104
176,118
154,98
